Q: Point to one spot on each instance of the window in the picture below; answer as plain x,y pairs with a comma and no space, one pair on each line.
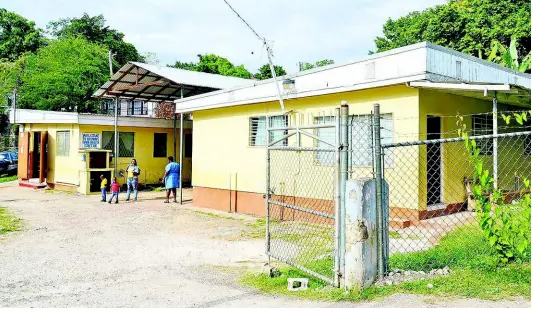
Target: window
137,108
63,143
327,134
188,145
126,142
108,107
361,139
160,145
258,130
482,125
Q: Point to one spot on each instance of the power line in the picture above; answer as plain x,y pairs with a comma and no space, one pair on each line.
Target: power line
258,36
269,54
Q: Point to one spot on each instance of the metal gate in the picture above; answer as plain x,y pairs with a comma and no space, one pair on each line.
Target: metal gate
302,195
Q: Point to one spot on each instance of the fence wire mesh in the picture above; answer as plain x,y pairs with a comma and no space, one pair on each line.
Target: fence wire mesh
302,209
432,209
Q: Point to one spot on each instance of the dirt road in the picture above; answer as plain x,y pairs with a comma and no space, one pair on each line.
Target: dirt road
77,252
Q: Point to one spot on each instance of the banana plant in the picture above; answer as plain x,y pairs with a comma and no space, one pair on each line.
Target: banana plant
508,56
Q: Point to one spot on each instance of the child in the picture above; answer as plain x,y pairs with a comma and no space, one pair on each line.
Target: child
115,187
103,187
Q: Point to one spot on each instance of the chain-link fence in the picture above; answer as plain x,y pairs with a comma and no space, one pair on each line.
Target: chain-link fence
434,221
302,209
302,194
431,215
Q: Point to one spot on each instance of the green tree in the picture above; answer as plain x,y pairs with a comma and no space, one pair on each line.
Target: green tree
211,63
320,63
94,29
468,26
265,73
63,76
17,35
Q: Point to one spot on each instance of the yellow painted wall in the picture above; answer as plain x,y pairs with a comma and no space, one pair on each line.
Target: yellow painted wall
223,158
152,169
61,169
70,170
454,156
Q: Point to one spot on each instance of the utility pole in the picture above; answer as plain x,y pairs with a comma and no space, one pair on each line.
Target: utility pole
272,69
110,54
116,143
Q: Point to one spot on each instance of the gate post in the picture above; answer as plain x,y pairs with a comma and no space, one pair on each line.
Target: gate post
267,192
343,177
379,192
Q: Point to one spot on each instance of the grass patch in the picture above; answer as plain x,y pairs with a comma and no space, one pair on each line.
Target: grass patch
8,221
465,247
475,273
8,178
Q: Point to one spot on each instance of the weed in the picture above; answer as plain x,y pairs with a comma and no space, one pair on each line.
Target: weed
8,222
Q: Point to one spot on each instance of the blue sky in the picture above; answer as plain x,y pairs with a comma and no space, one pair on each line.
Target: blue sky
301,30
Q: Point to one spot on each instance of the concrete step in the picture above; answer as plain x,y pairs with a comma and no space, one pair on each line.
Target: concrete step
31,185
399,223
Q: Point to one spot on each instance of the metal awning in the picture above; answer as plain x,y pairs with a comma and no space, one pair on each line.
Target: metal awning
157,84
505,93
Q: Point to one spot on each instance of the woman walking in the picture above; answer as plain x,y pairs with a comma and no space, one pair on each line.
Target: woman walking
171,178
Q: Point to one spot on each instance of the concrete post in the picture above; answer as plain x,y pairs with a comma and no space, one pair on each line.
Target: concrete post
361,261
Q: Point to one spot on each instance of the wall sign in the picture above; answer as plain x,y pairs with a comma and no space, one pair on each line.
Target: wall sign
90,140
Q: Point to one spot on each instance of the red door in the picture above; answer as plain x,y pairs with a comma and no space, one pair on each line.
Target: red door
24,155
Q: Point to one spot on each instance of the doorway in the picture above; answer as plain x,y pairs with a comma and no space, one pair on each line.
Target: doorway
36,165
434,161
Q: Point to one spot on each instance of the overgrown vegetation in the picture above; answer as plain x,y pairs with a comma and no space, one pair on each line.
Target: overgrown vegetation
467,26
474,273
8,221
507,227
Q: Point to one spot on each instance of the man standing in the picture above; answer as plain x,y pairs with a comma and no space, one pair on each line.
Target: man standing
133,171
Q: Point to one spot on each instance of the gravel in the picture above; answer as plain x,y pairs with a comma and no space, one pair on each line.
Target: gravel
77,252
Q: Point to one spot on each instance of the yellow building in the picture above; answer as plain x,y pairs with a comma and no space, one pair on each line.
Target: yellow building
70,151
419,88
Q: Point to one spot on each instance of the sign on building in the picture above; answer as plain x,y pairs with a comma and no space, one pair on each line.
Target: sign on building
90,140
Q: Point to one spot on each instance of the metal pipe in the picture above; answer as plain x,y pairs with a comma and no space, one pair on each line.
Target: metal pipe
495,141
289,148
317,138
452,140
280,139
337,272
273,71
175,134
307,127
181,153
343,146
116,151
379,180
302,209
110,63
267,194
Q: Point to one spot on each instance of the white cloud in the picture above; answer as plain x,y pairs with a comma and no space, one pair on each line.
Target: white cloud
179,30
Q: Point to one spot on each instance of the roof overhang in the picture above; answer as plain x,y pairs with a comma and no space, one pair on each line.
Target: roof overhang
27,116
504,93
139,81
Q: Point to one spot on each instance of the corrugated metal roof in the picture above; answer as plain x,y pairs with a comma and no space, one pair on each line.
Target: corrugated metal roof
157,83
